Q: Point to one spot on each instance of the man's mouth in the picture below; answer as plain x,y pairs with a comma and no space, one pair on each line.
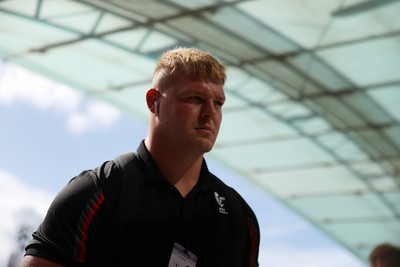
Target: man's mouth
205,128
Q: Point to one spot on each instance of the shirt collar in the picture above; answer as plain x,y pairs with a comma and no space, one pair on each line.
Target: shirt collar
207,181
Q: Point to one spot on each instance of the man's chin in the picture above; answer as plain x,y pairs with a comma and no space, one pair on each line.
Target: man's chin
207,146
202,144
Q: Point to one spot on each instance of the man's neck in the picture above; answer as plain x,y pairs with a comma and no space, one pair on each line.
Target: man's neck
182,170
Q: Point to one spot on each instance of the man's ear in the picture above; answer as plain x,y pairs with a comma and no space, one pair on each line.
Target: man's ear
152,96
379,263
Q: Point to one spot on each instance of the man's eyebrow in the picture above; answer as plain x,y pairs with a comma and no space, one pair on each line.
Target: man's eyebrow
200,91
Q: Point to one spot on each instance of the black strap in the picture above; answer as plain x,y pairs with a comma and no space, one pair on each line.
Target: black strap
130,191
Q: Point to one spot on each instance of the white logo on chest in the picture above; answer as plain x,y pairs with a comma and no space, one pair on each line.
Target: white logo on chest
220,204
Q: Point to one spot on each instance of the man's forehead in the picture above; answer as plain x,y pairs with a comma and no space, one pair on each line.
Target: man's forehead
177,74
203,87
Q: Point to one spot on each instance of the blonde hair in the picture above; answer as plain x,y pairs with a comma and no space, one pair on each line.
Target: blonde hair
189,62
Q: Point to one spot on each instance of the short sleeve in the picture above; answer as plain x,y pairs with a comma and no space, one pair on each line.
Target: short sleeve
77,210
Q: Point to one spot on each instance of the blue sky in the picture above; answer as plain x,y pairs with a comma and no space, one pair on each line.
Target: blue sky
50,133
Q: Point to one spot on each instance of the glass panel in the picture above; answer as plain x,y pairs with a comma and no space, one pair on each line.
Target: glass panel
367,67
388,98
312,181
279,154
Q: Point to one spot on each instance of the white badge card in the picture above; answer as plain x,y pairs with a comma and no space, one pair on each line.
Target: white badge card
181,257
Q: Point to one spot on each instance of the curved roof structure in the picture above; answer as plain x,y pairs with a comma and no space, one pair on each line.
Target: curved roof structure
313,91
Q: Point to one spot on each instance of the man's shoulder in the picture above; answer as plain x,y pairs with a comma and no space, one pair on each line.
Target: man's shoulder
231,192
116,166
115,175
219,183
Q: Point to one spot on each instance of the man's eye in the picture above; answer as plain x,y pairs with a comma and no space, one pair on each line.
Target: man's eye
219,103
196,98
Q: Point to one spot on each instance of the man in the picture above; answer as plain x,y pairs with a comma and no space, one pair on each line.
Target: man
385,255
186,216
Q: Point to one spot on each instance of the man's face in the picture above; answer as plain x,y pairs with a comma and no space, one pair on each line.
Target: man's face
190,113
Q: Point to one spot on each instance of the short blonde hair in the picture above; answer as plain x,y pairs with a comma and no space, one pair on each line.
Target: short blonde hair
190,62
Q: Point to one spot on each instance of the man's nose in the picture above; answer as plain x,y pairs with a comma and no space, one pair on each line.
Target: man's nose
208,108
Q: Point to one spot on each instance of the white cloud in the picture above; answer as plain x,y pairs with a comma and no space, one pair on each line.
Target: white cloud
95,115
18,85
20,206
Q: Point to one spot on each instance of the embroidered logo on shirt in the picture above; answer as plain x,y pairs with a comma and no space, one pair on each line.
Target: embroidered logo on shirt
220,204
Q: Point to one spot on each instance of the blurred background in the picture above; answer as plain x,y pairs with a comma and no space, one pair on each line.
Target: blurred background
310,135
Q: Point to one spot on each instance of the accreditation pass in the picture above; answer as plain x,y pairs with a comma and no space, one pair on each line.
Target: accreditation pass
180,257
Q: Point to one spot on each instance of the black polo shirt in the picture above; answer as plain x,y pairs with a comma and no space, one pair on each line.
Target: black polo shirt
210,222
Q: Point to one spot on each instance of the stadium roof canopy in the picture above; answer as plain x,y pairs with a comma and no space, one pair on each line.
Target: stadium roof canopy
313,90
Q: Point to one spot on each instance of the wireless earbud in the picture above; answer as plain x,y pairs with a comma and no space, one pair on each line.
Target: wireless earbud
155,107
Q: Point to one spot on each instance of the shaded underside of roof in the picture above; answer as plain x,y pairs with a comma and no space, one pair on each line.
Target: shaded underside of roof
313,91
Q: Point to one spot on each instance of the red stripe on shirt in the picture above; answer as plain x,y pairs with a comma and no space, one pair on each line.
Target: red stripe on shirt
253,241
85,227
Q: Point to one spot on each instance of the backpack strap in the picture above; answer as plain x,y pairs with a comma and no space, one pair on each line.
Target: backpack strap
238,206
251,224
129,192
